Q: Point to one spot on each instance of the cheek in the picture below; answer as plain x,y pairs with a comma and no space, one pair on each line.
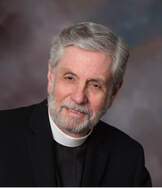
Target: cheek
60,92
97,103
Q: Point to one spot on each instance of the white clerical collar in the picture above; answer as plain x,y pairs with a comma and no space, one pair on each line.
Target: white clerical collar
60,137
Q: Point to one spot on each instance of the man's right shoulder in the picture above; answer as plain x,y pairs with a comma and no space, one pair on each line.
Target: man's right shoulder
15,113
16,117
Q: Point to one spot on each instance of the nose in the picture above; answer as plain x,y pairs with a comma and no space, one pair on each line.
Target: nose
79,95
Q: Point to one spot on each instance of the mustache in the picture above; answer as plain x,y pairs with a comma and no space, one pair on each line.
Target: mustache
80,108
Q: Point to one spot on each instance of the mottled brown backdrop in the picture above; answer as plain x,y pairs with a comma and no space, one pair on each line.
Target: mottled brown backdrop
26,28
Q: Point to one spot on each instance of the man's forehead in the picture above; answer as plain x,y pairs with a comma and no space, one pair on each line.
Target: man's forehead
74,48
78,54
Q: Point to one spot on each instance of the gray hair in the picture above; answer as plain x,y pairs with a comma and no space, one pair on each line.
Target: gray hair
96,37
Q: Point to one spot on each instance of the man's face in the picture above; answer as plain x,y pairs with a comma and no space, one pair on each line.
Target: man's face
79,89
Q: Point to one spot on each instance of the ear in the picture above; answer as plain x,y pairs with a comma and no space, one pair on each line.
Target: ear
115,92
50,77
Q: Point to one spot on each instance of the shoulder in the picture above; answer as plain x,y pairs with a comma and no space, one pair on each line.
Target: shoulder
18,117
125,156
116,139
16,114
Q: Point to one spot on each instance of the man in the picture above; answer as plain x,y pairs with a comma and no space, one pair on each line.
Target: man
64,143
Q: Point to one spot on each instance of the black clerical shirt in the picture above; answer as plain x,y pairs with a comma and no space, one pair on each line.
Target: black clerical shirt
70,164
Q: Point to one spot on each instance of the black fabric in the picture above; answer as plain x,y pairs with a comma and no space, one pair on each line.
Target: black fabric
70,162
28,156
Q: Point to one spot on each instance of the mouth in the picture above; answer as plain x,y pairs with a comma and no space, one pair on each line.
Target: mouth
75,113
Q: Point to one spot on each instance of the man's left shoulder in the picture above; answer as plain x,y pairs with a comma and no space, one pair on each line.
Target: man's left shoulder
117,139
125,156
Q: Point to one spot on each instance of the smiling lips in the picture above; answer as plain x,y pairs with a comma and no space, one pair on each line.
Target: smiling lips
75,113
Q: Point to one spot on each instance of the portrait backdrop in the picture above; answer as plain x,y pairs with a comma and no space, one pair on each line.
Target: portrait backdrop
26,29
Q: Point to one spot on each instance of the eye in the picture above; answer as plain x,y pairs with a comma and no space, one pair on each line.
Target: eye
96,85
69,78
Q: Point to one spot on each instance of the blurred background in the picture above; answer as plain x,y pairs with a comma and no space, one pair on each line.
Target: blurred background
26,29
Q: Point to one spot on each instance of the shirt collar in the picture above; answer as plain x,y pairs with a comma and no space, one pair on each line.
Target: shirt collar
60,137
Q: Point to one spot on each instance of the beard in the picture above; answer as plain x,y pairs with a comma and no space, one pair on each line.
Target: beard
72,124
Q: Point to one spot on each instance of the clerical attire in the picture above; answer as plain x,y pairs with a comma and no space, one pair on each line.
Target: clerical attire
70,156
70,164
35,152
